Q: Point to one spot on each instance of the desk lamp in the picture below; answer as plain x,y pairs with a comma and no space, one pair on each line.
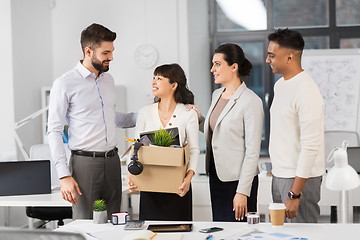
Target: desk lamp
20,124
342,177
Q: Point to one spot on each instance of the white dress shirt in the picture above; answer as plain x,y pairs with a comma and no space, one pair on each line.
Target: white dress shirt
87,105
187,122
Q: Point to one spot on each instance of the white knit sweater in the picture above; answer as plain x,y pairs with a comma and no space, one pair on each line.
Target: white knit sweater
297,128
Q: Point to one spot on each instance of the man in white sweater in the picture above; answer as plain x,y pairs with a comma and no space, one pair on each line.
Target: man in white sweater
296,130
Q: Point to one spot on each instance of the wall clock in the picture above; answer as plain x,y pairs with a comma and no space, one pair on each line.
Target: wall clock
146,56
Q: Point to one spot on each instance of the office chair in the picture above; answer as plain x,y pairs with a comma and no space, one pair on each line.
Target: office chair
15,234
50,213
38,152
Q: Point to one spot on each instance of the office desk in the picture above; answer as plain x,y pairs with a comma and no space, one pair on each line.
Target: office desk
43,200
36,200
231,230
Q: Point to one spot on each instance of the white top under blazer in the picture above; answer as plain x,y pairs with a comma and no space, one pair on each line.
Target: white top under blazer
187,121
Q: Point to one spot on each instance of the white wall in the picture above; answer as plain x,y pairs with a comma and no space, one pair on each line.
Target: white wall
25,46
199,53
162,23
32,58
199,59
7,144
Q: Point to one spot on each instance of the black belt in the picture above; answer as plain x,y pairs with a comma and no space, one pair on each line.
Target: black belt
107,154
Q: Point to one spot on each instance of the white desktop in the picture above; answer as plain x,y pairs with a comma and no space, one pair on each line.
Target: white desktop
231,230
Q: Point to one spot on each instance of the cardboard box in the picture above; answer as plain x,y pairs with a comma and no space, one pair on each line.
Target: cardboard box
164,168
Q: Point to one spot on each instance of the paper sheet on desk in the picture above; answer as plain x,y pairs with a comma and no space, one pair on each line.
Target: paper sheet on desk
234,234
88,227
136,235
270,236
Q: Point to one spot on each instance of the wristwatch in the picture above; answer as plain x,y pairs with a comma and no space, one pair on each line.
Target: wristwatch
292,195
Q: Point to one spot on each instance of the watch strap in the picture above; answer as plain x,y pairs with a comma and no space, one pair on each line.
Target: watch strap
293,195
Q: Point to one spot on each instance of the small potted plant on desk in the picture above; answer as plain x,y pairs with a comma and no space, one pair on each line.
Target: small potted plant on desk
100,213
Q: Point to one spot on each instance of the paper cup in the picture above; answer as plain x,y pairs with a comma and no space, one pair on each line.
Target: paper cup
277,213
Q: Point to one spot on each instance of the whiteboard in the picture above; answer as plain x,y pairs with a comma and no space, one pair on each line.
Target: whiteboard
337,73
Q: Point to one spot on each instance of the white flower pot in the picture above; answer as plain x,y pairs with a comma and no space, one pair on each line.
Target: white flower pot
100,217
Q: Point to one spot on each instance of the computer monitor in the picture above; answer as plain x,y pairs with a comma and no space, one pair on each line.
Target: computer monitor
354,158
25,177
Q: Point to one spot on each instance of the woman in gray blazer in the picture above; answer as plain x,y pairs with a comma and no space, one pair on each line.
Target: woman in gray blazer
233,130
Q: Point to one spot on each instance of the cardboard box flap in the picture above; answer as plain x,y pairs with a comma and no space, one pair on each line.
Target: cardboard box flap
163,156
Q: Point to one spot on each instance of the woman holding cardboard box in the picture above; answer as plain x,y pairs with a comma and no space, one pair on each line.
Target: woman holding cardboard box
168,111
233,129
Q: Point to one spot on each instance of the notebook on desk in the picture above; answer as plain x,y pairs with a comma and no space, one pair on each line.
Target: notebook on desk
354,158
25,177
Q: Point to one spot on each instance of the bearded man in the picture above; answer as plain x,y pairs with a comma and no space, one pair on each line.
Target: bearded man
84,99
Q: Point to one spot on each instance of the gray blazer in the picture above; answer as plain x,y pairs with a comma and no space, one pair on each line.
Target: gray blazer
236,138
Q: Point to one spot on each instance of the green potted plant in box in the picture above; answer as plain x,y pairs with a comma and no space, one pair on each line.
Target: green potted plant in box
163,138
99,211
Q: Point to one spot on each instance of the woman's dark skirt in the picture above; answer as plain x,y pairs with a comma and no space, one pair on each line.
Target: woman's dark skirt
165,206
223,193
